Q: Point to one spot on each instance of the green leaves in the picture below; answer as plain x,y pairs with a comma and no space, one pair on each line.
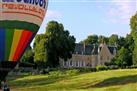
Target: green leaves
113,39
54,44
28,56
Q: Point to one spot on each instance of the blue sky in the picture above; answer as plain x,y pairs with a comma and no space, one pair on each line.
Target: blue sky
87,17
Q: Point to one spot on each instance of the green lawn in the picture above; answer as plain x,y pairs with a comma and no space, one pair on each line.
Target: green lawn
112,80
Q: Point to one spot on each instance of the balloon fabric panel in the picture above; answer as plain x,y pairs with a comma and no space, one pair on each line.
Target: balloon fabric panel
2,44
23,42
16,37
9,38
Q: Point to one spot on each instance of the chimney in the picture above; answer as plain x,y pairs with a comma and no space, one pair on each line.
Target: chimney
84,46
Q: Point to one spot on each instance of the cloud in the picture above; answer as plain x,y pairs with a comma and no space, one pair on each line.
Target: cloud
121,11
53,14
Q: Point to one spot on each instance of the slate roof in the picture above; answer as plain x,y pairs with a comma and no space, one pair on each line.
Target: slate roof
86,50
90,49
111,49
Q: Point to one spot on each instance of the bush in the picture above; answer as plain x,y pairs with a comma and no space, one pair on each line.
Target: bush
44,71
55,74
113,67
133,67
87,69
72,72
101,67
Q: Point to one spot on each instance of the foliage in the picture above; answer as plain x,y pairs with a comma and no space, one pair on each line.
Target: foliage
28,56
125,47
55,74
123,58
121,42
134,56
72,72
113,39
60,44
101,67
91,39
54,44
86,69
40,50
102,39
133,26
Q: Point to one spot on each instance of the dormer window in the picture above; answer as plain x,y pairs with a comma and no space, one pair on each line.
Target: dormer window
114,51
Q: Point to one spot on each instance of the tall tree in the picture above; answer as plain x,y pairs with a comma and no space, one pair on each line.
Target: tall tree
60,43
91,39
133,26
102,39
129,43
113,39
122,59
56,43
121,42
40,50
28,56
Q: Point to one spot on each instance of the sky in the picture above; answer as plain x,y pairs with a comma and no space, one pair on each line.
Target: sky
87,17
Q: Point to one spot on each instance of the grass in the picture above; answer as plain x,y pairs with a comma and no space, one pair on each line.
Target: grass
112,80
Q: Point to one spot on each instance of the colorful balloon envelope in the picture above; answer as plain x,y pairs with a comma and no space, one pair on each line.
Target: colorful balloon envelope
19,22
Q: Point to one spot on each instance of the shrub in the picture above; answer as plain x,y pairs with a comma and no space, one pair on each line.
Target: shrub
44,71
101,67
87,69
72,72
133,67
55,74
113,67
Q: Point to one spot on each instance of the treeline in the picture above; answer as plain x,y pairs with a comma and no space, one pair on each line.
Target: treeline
57,43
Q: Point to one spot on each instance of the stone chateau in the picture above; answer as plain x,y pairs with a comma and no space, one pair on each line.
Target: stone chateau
90,56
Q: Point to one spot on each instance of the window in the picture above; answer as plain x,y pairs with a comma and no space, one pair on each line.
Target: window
76,63
65,64
81,63
70,63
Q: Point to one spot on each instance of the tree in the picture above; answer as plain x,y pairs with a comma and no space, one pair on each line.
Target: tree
133,26
121,43
40,50
129,43
122,58
60,43
56,43
102,39
91,39
28,56
113,39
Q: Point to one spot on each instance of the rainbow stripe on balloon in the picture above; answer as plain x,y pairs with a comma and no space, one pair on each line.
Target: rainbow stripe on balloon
15,36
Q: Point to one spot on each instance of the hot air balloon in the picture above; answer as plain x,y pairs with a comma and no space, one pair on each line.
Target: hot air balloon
19,22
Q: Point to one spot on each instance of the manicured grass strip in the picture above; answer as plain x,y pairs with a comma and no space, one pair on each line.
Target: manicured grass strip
12,24
112,80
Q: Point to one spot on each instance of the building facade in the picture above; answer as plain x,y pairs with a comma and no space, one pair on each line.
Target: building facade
89,56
